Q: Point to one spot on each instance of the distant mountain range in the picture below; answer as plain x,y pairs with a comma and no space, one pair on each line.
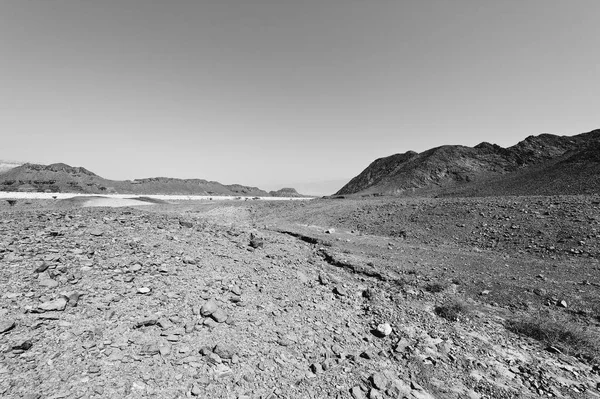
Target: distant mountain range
539,165
60,177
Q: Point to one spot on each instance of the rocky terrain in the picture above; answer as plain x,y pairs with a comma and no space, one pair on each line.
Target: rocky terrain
62,178
539,165
377,298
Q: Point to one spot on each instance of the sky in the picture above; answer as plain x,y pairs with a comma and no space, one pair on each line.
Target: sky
279,93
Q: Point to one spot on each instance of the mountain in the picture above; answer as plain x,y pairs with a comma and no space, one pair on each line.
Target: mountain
60,177
539,165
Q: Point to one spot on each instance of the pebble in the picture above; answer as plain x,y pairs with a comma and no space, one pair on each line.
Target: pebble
57,304
208,308
6,325
316,368
379,381
22,345
42,268
562,303
49,283
135,268
143,290
219,316
384,329
357,393
225,351
188,260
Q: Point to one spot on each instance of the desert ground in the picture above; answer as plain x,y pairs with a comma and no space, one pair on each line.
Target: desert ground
328,298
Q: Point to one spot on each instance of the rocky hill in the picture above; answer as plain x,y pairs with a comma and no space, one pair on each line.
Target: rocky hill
60,177
287,192
539,165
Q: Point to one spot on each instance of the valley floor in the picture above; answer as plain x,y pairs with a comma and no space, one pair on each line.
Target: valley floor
297,299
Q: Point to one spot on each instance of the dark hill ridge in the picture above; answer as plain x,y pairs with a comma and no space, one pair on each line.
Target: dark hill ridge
60,177
546,164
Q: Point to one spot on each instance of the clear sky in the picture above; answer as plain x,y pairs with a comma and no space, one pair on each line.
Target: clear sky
276,93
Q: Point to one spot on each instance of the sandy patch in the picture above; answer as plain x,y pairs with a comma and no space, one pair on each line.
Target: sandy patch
113,202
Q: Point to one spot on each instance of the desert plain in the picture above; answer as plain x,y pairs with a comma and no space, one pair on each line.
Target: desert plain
378,297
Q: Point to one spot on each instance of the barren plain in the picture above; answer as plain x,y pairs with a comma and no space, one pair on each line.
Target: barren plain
344,298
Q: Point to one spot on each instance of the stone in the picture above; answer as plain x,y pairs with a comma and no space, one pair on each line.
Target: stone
57,304
219,316
323,279
196,390
73,298
341,291
357,393
135,268
150,321
23,345
143,290
48,283
185,223
210,323
7,325
208,308
337,350
42,268
375,394
384,329
213,358
188,260
316,368
256,242
225,351
330,231
561,303
222,371
379,381
302,277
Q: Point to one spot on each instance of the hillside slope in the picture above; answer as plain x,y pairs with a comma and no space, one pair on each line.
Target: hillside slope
539,165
